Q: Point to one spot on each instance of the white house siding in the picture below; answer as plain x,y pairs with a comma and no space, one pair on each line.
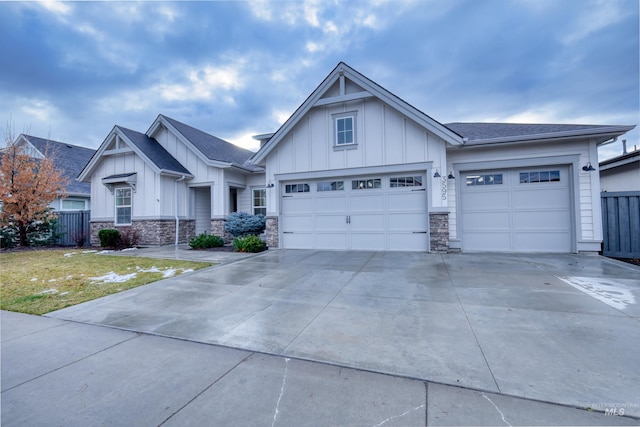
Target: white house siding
383,136
585,184
145,198
245,196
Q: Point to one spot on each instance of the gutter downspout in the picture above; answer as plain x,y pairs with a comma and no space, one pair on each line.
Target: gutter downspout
176,210
611,141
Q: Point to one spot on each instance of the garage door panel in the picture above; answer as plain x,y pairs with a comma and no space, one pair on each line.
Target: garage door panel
297,240
542,220
368,241
407,222
408,241
371,222
485,221
331,223
486,200
539,241
298,223
326,240
407,202
331,204
496,241
295,205
541,199
366,203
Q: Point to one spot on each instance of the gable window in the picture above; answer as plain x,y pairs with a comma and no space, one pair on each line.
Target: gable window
260,202
330,186
366,184
296,188
123,206
344,130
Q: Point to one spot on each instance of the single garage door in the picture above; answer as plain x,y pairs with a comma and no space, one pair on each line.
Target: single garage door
521,210
386,212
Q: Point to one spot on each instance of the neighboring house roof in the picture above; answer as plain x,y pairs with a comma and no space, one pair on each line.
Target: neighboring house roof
490,133
621,160
370,89
155,152
70,159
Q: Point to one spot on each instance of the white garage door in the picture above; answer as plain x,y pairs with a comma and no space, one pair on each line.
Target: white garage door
387,212
523,210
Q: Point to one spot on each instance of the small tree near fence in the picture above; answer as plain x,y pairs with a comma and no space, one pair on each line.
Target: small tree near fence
27,187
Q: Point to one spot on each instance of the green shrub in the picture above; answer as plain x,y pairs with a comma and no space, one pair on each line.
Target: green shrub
250,243
240,224
109,238
204,241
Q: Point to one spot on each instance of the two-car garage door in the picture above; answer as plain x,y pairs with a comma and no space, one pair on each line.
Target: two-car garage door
383,212
516,210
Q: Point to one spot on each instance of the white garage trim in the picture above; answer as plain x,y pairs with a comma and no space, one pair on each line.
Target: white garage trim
366,212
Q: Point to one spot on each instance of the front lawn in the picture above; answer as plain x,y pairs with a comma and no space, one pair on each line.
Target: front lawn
37,282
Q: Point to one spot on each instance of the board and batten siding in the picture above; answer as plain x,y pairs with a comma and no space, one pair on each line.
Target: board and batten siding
145,199
585,185
383,137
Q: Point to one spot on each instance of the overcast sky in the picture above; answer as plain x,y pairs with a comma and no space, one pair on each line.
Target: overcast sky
71,71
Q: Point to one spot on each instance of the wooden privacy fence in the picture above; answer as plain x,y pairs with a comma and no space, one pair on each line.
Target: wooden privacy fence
621,224
72,226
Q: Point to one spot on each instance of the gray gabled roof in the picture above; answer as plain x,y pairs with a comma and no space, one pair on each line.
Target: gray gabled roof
70,159
487,133
155,152
213,147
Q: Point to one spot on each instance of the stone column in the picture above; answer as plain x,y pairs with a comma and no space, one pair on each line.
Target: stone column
271,230
439,231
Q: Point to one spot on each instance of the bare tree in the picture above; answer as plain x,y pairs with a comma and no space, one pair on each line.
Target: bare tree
27,186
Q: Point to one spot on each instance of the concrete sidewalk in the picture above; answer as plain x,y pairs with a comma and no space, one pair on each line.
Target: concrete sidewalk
555,328
57,372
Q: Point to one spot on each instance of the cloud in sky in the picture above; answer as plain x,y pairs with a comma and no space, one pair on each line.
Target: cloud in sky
235,69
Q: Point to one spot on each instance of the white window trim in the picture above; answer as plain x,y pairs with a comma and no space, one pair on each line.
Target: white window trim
130,206
253,200
350,145
69,199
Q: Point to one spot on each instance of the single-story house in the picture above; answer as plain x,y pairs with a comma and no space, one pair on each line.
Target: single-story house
170,183
621,173
70,159
356,167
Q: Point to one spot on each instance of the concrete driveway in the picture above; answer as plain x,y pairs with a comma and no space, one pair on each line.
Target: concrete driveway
556,328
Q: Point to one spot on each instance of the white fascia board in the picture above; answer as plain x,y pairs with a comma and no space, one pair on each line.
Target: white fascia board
263,136
620,162
167,172
370,87
162,121
606,132
85,174
26,141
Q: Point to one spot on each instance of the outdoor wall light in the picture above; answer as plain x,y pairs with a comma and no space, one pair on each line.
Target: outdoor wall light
451,175
588,167
437,174
270,185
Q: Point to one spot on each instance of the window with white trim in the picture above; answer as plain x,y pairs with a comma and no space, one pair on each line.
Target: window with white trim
73,205
260,201
123,206
344,130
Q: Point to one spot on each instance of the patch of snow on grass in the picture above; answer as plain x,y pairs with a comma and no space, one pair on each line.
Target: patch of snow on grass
64,293
89,252
49,291
52,280
113,277
129,249
35,279
70,254
105,251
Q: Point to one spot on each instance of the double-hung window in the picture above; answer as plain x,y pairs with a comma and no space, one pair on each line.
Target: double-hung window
260,201
123,206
